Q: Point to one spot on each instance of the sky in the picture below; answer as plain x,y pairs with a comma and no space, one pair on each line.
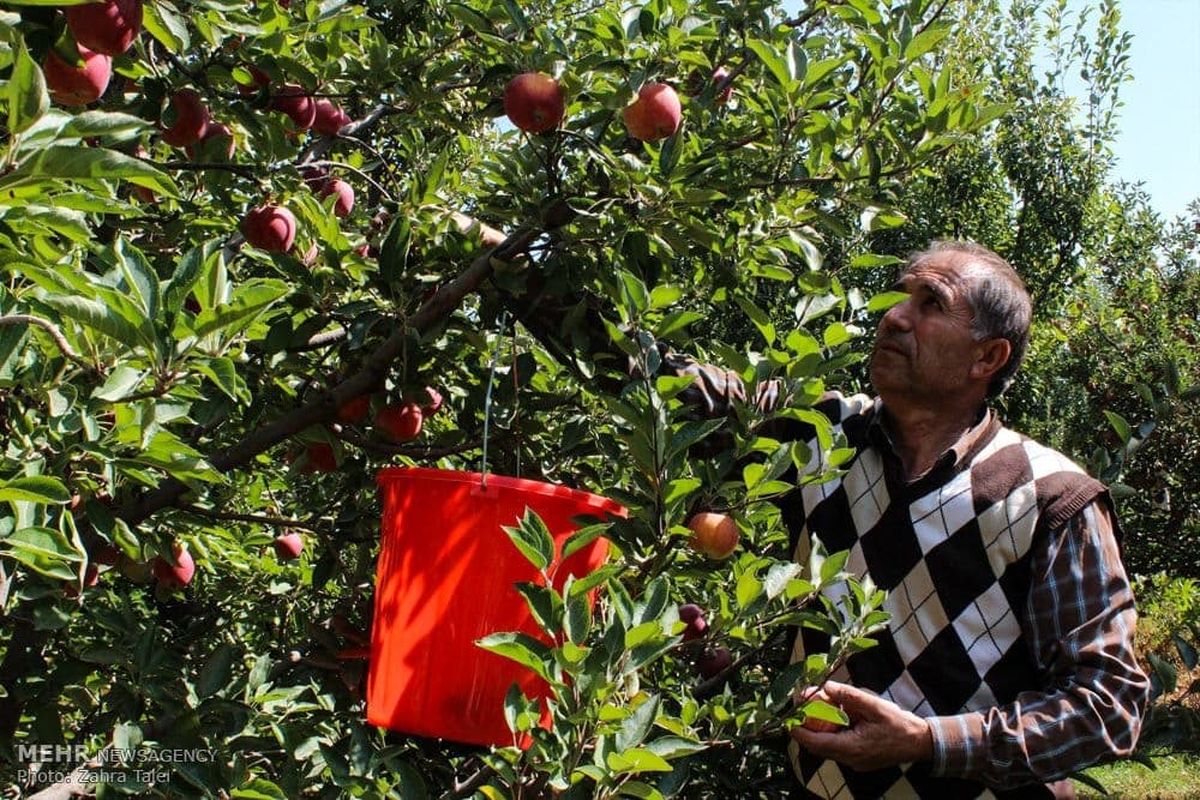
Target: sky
1159,142
1159,124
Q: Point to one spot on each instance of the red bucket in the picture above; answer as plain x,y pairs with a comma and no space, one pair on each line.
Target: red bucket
445,579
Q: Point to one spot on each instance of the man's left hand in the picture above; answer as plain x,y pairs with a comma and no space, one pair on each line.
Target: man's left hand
881,734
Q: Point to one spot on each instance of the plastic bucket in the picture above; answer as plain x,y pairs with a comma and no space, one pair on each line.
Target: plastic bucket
445,579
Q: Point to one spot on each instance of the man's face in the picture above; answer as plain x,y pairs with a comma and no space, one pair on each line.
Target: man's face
924,348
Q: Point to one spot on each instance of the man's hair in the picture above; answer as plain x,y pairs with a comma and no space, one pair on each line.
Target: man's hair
999,302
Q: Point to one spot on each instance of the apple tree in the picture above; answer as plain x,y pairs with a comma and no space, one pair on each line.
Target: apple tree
252,253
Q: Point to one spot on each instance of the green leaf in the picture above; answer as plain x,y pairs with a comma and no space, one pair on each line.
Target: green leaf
675,321
164,22
258,788
1120,425
222,372
104,123
637,760
249,301
885,300
759,317
1187,653
819,709
640,634
869,260
675,747
187,272
532,538
582,538
117,317
778,577
925,41
216,672
45,551
140,282
680,488
36,489
663,296
748,589
28,99
521,648
578,619
67,162
637,725
773,61
119,383
545,605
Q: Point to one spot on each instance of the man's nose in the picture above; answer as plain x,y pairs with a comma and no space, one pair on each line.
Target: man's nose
897,317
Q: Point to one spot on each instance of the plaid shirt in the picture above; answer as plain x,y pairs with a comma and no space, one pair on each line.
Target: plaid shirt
1079,623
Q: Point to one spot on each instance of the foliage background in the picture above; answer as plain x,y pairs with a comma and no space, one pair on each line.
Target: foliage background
176,371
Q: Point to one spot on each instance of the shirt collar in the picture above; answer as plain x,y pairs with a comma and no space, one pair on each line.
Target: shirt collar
879,435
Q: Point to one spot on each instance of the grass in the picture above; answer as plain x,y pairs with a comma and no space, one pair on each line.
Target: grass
1177,777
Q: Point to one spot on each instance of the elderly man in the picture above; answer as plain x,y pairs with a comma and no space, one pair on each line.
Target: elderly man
1008,659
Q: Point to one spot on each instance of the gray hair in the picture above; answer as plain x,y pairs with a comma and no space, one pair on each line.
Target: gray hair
999,302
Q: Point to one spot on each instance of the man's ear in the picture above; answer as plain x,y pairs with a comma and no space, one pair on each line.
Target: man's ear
990,357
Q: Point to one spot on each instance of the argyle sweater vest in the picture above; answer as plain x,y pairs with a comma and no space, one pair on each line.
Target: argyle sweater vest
953,551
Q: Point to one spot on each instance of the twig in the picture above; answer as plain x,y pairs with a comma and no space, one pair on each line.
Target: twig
255,518
55,333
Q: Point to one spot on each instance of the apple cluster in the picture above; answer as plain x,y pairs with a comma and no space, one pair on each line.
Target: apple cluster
534,103
109,28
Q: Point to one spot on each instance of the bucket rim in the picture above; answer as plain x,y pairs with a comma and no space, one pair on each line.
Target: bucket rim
522,485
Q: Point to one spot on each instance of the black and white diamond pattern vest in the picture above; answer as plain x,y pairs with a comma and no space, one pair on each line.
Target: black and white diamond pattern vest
953,551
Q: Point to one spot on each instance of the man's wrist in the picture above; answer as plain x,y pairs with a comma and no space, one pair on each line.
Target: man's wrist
955,742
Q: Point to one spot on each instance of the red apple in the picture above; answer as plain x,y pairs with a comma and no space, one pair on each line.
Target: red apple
344,203
191,119
215,143
718,77
692,615
270,227
77,86
295,101
106,27
435,402
288,546
401,423
714,535
713,662
329,117
318,457
655,114
534,102
177,575
355,410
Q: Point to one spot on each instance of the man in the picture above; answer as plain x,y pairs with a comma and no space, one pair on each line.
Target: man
1008,659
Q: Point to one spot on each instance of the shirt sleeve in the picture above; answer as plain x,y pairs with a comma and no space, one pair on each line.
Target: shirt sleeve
1079,620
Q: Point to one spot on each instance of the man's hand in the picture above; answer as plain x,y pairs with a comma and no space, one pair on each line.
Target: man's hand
881,734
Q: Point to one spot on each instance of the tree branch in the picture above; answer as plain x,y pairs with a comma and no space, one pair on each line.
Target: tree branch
324,407
55,333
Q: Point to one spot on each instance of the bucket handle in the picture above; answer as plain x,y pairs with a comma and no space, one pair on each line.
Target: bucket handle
487,400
